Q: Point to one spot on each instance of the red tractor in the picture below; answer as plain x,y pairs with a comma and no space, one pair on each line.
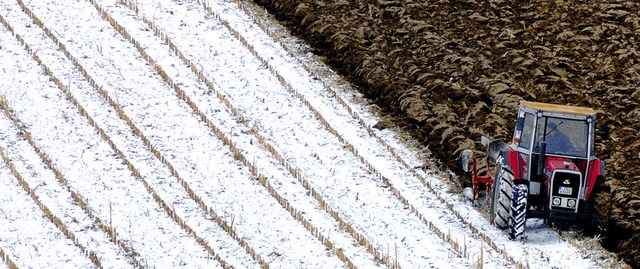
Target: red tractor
549,169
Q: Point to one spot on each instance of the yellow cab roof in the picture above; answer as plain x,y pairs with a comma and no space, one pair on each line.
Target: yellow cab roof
559,108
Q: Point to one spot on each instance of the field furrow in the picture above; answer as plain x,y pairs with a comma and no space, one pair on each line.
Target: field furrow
153,103
28,237
110,185
150,167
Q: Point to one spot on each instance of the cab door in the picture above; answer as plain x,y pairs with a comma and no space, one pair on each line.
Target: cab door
523,139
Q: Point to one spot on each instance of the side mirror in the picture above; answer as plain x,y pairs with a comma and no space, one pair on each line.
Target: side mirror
466,156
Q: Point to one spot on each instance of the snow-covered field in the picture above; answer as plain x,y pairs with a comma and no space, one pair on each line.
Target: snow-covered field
198,134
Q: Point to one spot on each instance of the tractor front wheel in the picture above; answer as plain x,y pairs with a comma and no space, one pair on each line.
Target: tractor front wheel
518,216
502,196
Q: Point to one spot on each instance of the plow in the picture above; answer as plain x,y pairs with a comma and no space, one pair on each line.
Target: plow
547,170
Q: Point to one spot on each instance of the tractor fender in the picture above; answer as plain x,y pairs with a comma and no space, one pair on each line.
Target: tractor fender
596,176
496,150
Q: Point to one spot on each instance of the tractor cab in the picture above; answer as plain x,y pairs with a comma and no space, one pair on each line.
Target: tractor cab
553,153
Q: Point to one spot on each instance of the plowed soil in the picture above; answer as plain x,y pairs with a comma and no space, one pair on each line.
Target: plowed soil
451,71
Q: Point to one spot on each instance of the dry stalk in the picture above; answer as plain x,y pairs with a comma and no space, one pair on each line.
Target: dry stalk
5,257
47,212
169,211
45,159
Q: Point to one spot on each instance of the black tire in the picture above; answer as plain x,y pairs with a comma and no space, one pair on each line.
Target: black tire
518,216
599,207
501,204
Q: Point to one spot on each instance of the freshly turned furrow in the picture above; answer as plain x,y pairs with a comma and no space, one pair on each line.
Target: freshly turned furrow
113,130
141,97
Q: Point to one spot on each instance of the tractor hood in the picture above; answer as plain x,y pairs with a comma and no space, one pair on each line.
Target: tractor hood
554,163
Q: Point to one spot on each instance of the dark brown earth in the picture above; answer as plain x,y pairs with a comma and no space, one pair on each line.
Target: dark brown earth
451,71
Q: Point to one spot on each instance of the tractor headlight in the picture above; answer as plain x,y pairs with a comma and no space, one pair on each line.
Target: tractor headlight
556,201
571,203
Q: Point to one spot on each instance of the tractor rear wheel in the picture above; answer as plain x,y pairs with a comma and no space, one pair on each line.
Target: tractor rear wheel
502,196
599,207
518,216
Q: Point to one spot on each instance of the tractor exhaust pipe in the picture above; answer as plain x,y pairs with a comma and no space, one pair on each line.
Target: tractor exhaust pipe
543,152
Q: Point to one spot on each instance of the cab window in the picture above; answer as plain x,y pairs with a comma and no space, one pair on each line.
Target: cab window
564,136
